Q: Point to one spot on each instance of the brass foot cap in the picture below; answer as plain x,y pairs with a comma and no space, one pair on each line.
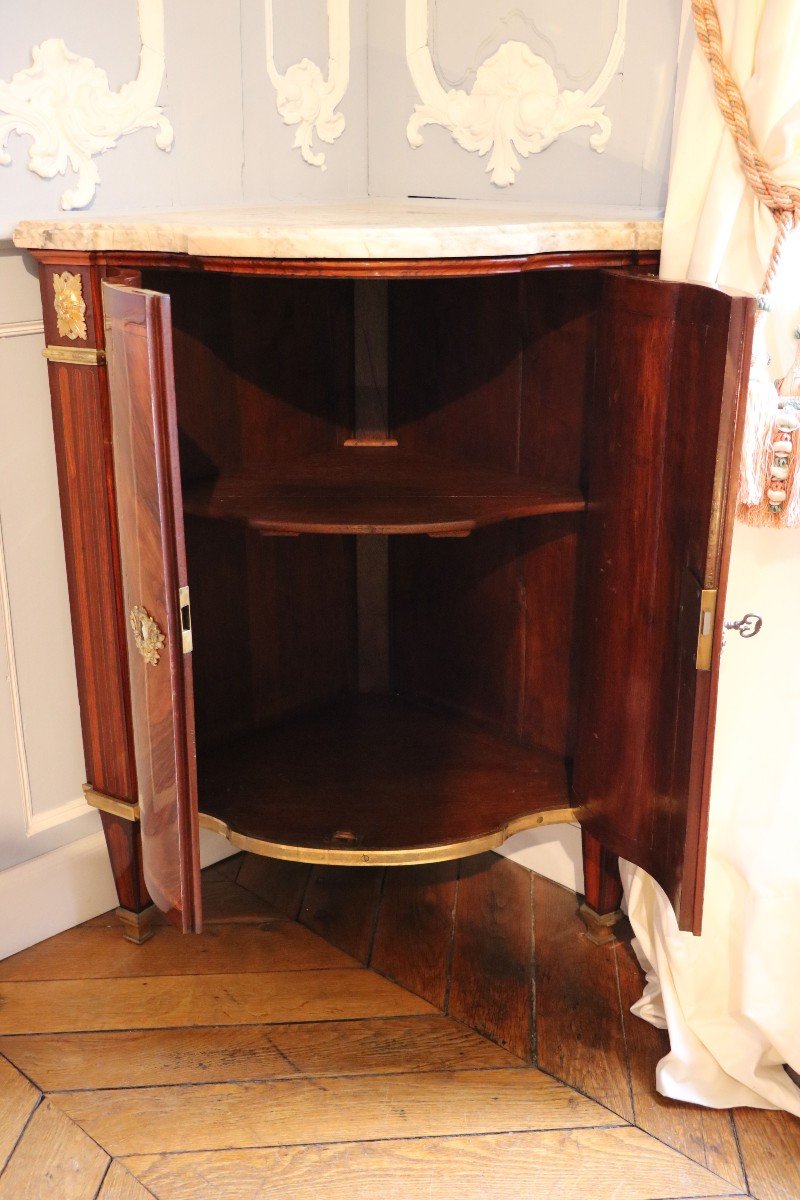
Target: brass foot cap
599,926
137,927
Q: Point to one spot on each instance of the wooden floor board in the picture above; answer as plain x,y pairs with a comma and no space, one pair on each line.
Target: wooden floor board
579,1031
341,905
275,944
349,1108
280,884
18,1099
53,1159
604,1164
414,934
70,1005
141,1058
770,1144
224,902
226,868
120,1184
490,985
704,1134
403,1044
269,1063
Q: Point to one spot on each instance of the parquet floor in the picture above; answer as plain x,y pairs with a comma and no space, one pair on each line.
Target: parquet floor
259,1061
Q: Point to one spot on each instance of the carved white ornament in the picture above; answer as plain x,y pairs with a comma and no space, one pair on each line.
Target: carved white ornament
67,106
303,96
514,107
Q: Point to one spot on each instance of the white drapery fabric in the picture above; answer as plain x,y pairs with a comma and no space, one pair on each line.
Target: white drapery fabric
731,998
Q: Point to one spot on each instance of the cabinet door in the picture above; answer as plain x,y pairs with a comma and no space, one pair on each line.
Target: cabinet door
662,468
153,560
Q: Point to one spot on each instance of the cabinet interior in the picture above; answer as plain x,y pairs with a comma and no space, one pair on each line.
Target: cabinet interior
383,513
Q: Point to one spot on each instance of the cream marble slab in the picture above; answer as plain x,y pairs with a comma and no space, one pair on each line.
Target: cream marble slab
372,229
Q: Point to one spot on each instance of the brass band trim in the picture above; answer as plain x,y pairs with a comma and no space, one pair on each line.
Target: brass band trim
413,856
109,804
77,356
335,857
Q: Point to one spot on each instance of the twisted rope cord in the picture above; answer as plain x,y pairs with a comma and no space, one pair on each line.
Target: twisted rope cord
782,200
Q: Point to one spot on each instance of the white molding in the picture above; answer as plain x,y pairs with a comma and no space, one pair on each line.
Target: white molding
553,851
13,685
67,106
21,328
51,893
34,822
39,822
514,107
302,95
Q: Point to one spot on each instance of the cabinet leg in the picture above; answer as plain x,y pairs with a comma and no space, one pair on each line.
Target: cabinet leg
124,843
603,887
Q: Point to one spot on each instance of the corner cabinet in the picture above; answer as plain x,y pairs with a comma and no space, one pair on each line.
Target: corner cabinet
377,562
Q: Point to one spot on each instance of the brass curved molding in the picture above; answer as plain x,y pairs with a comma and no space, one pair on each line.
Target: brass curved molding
413,856
147,634
70,306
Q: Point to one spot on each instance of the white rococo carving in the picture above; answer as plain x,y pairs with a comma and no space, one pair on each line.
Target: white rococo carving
303,96
66,104
514,107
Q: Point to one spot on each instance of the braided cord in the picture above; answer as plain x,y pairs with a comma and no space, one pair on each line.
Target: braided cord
782,200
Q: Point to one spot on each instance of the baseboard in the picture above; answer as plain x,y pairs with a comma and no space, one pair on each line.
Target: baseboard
54,892
553,851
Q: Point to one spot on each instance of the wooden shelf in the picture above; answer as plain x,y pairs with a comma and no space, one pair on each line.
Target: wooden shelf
374,490
377,781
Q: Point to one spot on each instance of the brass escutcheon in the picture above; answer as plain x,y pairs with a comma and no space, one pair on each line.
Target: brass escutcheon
147,635
70,306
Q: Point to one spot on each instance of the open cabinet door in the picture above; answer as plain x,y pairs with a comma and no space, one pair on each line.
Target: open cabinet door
662,470
153,558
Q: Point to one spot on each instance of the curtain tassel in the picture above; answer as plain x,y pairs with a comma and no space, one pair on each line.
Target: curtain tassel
769,486
760,416
785,466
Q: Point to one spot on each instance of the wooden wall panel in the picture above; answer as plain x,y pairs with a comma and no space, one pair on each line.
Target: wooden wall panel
454,368
458,631
261,649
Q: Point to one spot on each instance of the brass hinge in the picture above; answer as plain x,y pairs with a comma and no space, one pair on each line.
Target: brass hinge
705,632
78,356
186,618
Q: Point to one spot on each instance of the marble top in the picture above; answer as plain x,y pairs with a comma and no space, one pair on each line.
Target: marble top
365,230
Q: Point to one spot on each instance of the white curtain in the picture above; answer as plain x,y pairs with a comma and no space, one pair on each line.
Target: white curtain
731,998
